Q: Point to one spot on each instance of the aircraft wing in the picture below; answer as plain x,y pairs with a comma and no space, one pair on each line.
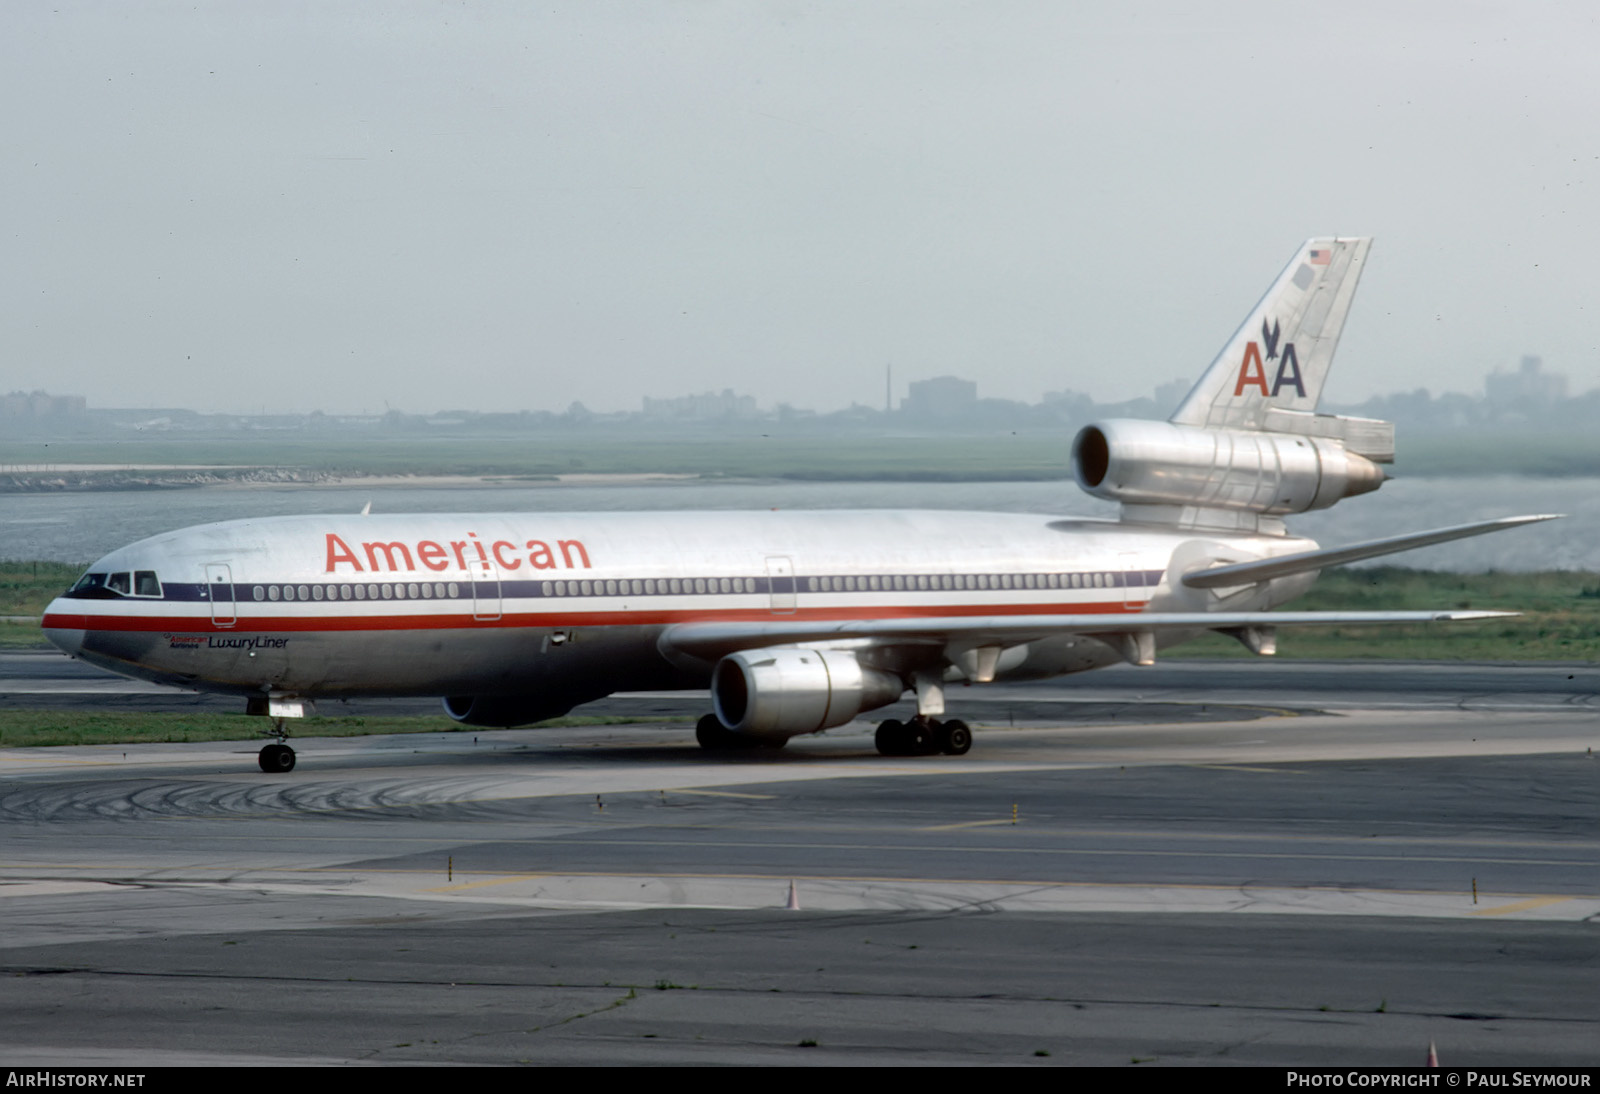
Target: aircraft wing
710,641
1246,573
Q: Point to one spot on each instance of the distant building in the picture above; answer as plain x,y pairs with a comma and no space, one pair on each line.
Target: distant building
38,404
1529,386
700,408
941,397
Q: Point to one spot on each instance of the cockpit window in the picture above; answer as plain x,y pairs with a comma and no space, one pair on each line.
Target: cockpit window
103,586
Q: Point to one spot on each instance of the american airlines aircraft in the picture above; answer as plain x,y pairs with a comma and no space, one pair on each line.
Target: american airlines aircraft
797,621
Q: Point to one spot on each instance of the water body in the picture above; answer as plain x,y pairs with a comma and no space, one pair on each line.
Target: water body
81,527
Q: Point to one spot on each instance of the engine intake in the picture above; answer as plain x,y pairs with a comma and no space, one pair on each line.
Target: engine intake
1158,463
786,692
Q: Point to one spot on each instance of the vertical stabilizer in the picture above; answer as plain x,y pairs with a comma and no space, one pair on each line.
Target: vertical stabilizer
1279,358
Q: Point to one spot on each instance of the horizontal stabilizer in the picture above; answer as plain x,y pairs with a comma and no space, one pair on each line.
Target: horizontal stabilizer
1247,573
713,640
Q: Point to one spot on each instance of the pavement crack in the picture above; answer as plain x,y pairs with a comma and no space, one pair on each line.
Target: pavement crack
615,1004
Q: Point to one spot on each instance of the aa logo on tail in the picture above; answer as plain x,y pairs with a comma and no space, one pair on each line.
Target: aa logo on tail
1253,371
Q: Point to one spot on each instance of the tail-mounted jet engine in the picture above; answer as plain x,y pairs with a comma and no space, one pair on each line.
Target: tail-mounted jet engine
1158,463
781,693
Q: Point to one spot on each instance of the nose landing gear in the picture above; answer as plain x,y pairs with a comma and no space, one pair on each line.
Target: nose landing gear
277,758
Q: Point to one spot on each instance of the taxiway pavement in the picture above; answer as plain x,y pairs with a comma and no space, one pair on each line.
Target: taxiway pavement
1308,865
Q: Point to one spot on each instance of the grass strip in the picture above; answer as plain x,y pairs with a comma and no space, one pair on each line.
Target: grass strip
35,728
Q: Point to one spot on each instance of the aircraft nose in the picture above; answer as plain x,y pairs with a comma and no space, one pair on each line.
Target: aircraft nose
66,638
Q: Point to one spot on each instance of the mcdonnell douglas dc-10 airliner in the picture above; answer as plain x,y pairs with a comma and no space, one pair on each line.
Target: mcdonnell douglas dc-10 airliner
797,621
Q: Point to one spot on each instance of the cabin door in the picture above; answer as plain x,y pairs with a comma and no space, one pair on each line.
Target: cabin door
1130,578
485,579
219,590
780,580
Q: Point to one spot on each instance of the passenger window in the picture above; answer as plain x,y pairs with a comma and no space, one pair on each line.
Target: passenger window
145,583
119,584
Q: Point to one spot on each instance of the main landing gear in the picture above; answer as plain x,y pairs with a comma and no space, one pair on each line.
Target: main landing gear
277,758
923,737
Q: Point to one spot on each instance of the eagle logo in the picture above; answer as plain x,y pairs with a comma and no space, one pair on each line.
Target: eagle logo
1270,336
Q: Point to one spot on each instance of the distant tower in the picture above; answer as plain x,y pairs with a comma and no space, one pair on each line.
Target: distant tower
888,388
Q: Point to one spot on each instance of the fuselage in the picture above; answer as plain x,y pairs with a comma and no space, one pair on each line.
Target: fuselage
572,605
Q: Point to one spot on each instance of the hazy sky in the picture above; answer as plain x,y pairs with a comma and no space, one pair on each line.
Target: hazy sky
280,206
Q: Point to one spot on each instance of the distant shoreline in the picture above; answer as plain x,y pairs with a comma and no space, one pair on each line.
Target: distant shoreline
90,478
104,478
64,480
429,481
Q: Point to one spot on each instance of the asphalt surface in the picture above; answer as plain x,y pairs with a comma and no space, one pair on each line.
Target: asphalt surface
1195,863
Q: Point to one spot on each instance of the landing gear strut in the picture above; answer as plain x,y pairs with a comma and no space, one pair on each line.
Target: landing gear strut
923,737
277,758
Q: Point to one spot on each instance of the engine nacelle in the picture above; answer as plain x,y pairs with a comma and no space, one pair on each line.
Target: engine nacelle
505,711
1158,463
785,692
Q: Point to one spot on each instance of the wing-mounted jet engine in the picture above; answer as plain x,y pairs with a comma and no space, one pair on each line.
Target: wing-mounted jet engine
769,695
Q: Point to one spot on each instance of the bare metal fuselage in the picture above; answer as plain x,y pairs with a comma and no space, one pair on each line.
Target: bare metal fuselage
574,605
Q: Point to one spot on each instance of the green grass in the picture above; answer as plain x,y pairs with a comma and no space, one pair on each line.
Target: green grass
20,635
1560,621
25,589
31,728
